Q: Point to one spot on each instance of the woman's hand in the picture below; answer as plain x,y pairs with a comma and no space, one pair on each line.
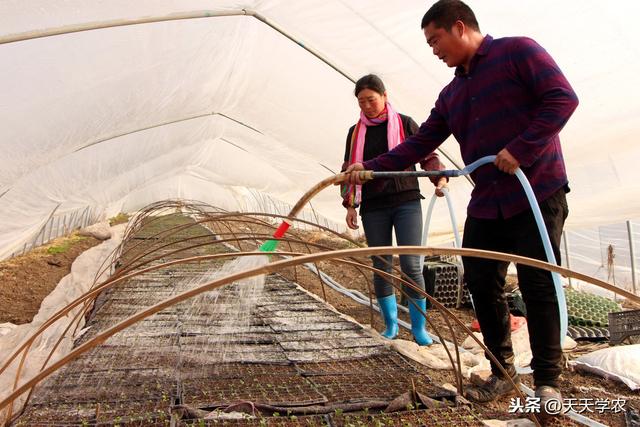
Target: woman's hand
440,185
352,218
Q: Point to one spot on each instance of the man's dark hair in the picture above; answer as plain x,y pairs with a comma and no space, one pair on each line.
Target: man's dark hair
370,81
445,13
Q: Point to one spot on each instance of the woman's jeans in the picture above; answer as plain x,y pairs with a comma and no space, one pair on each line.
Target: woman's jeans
406,219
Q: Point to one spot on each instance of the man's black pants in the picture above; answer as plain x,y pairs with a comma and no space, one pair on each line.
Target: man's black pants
486,279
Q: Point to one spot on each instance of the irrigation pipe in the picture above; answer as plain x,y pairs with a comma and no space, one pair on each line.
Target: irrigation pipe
452,215
456,235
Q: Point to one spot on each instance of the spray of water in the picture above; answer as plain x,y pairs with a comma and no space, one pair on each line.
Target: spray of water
188,338
213,324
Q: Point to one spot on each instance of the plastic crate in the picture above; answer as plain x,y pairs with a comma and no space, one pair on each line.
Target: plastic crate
443,281
623,325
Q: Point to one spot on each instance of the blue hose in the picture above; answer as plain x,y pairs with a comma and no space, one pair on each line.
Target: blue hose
454,222
551,258
454,226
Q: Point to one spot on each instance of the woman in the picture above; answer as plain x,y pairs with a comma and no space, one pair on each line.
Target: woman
387,204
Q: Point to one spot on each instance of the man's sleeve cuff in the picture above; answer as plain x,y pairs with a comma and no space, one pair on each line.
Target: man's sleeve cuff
522,152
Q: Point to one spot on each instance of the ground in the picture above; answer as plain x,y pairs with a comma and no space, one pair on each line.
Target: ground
26,280
573,384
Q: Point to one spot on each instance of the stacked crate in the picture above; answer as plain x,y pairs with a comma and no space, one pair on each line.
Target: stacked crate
586,309
442,281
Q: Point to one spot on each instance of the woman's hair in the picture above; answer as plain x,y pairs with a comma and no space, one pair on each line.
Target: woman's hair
370,81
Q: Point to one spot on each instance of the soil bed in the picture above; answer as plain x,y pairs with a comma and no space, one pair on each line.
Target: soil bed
27,279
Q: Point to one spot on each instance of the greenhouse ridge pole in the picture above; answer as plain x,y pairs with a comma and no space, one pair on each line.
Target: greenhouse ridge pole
90,26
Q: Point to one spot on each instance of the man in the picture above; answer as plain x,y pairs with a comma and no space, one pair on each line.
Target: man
508,98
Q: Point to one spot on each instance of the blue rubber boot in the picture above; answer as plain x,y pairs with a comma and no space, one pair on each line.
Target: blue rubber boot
389,311
418,321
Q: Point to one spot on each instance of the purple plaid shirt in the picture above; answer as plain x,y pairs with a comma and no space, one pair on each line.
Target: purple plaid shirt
513,97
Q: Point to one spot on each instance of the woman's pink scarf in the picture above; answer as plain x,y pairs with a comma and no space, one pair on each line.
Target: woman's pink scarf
352,194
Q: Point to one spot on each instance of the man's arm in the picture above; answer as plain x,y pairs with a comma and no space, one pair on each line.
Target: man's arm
416,147
557,101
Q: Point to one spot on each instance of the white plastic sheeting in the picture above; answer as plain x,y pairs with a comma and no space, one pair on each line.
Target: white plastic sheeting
84,273
210,107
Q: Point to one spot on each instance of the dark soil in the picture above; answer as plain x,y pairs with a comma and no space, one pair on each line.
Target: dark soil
27,279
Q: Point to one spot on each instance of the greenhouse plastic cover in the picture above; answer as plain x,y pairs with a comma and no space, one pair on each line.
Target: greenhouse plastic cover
116,104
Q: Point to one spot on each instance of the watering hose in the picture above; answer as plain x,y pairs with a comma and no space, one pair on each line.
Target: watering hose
456,235
270,245
454,222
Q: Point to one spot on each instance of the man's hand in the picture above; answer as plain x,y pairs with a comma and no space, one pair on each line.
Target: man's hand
354,178
506,162
352,218
440,185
